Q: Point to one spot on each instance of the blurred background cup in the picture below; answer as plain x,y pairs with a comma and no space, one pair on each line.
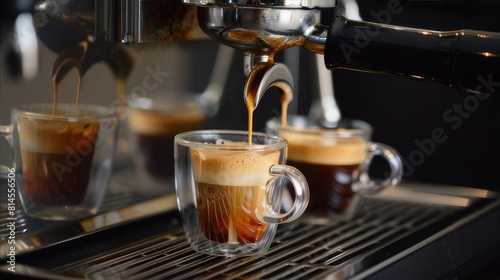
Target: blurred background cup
153,123
62,161
336,163
185,97
229,192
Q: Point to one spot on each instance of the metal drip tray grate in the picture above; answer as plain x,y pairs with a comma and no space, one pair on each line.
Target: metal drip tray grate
27,225
145,241
300,251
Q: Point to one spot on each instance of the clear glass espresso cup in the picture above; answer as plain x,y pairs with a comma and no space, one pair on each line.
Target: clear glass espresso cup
62,161
335,162
229,192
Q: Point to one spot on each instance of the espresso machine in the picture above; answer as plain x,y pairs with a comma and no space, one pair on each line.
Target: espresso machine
441,223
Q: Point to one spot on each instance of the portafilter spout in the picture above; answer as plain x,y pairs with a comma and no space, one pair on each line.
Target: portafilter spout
261,29
264,76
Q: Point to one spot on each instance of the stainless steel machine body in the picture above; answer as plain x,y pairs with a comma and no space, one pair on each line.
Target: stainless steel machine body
422,230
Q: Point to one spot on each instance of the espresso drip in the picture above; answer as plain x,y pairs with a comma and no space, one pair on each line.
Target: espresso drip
65,62
259,76
252,84
82,57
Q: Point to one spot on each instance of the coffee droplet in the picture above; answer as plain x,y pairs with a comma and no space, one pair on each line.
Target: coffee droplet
89,130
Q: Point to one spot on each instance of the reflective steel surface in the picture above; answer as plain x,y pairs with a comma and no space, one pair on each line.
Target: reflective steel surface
145,240
120,206
295,4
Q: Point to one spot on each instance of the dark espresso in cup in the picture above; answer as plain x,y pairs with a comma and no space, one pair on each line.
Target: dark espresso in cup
154,133
231,189
330,167
56,159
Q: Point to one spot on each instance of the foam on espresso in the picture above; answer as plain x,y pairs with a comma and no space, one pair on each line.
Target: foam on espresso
156,122
231,192
232,168
318,149
57,159
55,136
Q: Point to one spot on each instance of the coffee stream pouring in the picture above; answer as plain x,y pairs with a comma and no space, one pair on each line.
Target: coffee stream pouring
62,25
264,76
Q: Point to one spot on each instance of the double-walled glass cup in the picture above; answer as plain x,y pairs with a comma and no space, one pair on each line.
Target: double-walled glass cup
336,162
229,192
63,160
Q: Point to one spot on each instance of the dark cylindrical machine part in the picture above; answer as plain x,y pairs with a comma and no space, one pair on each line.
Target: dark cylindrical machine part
467,60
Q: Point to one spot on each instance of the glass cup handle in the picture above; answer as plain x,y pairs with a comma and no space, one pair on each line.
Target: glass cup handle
301,188
5,132
366,185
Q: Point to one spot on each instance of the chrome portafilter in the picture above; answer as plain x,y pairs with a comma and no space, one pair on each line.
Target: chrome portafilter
261,29
465,60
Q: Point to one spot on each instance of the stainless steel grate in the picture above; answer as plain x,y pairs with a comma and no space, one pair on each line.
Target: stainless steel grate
25,224
33,234
143,240
299,251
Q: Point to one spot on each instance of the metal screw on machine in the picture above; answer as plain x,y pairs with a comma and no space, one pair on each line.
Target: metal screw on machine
127,38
